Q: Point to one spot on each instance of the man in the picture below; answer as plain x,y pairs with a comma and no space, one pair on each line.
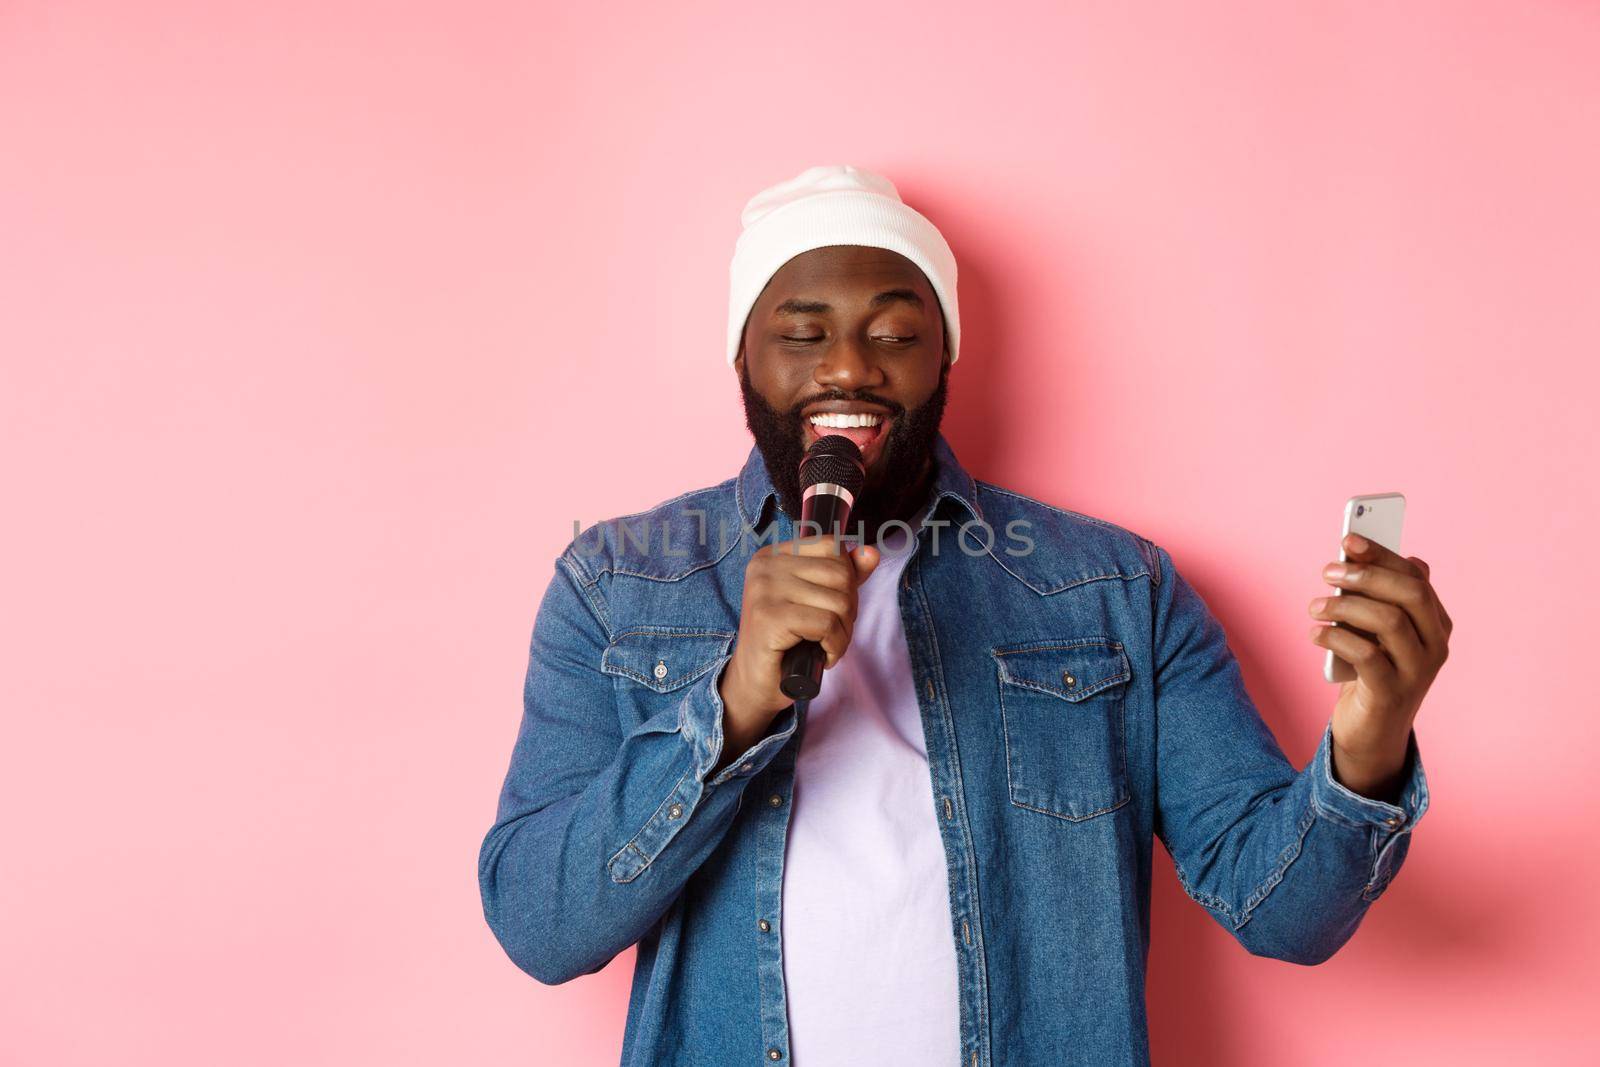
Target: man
945,857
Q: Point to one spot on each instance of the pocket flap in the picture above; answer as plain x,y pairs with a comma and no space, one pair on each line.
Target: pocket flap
664,657
1070,668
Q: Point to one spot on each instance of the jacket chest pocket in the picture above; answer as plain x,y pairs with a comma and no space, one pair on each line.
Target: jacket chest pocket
652,664
1061,707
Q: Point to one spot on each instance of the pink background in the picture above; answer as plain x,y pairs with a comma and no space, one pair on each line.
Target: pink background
296,300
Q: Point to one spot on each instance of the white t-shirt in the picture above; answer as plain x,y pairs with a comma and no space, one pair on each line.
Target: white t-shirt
869,955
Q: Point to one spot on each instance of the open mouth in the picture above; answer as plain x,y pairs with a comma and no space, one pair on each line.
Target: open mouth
867,430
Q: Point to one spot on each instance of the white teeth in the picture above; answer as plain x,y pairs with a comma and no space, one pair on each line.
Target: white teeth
837,421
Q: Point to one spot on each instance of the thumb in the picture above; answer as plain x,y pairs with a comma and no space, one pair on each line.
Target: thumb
866,558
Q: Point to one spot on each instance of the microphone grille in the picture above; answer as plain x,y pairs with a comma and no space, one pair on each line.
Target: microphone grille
834,458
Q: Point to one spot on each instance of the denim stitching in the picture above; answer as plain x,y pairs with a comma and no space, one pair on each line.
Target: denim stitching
611,568
1005,728
674,577
1237,919
1047,811
959,788
1074,695
739,502
1152,559
575,561
1003,679
1285,858
1374,888
1056,642
1374,857
1072,818
1378,881
1333,815
591,594
1205,900
666,685
1379,809
749,757
1070,584
648,860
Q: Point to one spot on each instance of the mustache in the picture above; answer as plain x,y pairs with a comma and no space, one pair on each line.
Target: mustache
911,436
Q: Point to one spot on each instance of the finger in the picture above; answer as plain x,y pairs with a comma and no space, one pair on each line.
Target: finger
1370,663
866,559
835,572
1389,623
813,545
1372,552
840,603
1411,593
805,622
1427,572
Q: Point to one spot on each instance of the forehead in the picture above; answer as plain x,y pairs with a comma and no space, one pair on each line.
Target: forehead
844,272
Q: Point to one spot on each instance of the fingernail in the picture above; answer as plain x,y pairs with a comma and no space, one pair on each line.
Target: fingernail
1357,543
1319,603
1333,570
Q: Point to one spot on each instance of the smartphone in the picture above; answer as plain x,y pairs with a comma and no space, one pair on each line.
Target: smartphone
1378,518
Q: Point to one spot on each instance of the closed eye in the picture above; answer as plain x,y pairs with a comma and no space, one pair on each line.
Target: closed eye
814,340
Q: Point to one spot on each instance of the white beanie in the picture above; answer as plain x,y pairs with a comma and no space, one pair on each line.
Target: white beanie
834,205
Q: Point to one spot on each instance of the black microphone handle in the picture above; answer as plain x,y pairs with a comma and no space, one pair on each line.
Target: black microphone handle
802,664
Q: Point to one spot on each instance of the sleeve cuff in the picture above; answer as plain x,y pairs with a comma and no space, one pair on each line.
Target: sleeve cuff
702,713
1342,804
700,723
1389,825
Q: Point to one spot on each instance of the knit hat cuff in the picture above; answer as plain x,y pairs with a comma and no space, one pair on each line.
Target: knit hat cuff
838,217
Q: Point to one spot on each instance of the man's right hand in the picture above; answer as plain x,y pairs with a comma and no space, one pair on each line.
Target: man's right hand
793,591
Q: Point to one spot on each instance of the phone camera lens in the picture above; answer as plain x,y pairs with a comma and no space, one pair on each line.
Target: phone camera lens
1361,509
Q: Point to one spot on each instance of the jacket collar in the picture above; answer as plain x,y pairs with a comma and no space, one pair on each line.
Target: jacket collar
755,488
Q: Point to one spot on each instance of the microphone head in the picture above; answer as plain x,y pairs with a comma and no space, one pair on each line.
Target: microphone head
833,458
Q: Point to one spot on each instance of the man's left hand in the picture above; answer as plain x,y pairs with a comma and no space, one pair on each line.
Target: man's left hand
1390,597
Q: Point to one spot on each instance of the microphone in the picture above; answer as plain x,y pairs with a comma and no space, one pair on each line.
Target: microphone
831,475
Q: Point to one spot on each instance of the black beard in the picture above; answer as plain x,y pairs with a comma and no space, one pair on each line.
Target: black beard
907,473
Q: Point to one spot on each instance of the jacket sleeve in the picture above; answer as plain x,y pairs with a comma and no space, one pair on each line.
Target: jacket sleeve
1286,861
598,829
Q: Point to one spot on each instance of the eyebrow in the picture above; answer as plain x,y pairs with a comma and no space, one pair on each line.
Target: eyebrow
816,307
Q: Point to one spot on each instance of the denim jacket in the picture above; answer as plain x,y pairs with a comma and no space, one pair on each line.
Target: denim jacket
1078,698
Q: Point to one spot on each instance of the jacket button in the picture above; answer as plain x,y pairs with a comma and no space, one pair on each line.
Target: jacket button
675,811
1068,680
661,669
1393,821
774,1054
775,800
765,926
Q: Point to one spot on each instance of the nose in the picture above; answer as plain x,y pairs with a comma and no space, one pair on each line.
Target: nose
848,365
